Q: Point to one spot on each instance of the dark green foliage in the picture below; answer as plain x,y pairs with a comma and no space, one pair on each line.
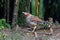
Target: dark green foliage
7,25
52,9
22,8
1,25
21,20
41,9
4,24
1,3
33,6
2,36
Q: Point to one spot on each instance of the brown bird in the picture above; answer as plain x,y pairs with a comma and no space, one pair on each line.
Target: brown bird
32,24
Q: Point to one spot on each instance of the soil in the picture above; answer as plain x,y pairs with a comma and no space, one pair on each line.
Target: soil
26,34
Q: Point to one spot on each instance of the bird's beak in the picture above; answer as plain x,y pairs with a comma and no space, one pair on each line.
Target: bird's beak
24,13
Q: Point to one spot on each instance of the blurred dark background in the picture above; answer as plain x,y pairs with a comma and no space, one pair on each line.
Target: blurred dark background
51,9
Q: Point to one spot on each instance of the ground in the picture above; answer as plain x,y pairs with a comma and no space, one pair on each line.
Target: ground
24,34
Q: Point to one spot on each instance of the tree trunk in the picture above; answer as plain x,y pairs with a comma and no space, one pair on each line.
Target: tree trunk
15,13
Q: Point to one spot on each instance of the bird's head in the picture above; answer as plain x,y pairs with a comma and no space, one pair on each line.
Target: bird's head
26,14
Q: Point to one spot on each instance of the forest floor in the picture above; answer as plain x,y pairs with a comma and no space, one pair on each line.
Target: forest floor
25,34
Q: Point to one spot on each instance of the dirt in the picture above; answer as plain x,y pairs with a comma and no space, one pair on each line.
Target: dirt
25,34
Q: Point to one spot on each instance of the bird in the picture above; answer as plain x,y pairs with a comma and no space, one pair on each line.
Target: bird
34,24
31,24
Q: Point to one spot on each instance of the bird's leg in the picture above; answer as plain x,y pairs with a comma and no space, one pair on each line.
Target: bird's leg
51,30
34,28
35,34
